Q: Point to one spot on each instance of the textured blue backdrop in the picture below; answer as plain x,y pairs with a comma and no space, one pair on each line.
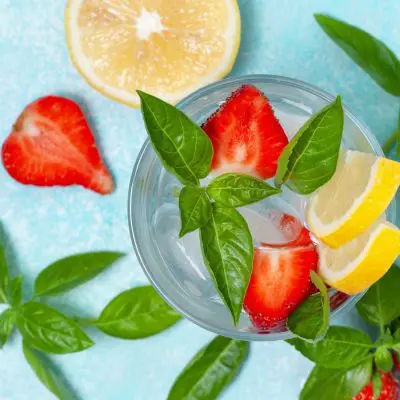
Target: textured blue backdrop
279,37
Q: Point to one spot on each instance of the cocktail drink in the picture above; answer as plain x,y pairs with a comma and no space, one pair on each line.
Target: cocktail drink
176,265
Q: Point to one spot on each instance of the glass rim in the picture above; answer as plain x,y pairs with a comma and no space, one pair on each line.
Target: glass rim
245,79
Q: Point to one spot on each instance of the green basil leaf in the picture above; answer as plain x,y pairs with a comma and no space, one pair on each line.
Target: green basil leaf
136,313
336,384
342,347
236,190
380,305
46,373
212,369
4,276
311,319
376,385
7,322
195,208
182,146
15,291
368,52
47,330
383,359
227,247
69,272
310,158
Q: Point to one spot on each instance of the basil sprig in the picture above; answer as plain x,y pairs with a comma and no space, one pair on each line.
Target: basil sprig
135,313
186,151
345,357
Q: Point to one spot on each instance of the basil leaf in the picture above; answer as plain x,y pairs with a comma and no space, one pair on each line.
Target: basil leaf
182,146
195,208
336,384
376,385
236,190
368,52
380,304
311,319
69,272
228,252
7,322
310,158
136,313
383,359
15,291
342,347
46,374
212,369
47,330
4,276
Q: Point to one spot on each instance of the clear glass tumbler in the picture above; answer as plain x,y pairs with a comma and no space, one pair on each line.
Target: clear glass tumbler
174,266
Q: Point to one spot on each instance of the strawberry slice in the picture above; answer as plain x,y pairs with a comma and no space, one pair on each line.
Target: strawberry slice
246,135
52,144
280,282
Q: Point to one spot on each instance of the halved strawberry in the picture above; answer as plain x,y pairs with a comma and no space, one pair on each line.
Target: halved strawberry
389,390
52,144
246,135
280,282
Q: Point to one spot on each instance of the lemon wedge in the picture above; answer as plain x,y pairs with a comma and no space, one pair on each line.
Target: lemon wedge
357,195
166,48
361,262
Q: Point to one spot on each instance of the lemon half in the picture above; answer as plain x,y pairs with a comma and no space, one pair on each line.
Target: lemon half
166,48
357,195
361,262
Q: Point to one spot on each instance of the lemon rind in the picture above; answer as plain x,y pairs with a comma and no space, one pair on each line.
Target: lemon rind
380,251
361,215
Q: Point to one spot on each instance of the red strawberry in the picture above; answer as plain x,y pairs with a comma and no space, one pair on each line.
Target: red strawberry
52,144
338,299
389,390
292,229
246,135
280,282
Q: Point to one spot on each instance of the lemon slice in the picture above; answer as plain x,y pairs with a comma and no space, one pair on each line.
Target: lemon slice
361,262
357,195
166,48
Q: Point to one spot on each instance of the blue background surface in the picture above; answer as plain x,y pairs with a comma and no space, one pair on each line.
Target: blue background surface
41,225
